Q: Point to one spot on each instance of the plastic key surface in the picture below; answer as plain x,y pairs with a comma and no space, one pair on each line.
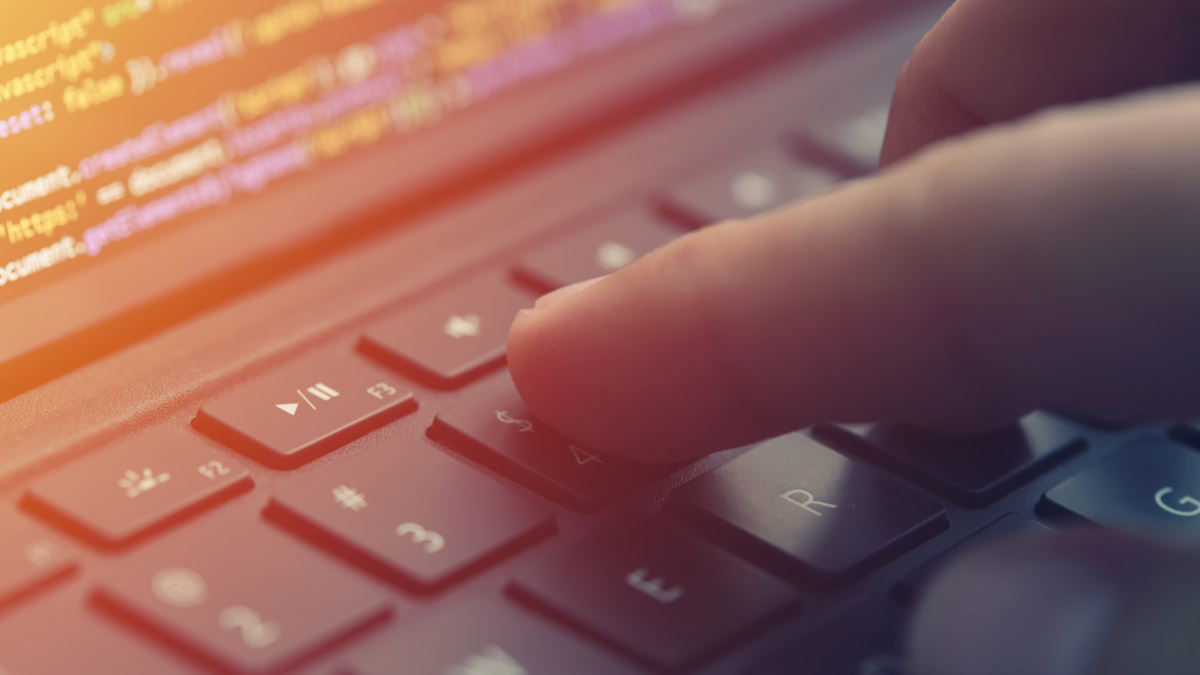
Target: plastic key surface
495,427
747,186
31,558
972,470
658,593
411,512
798,504
598,249
61,635
242,594
293,414
452,337
859,139
1152,483
132,486
484,638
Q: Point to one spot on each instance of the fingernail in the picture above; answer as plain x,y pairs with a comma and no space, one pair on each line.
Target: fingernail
557,296
1034,613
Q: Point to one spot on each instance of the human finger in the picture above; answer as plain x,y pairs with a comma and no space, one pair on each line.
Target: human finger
990,61
1046,264
1082,603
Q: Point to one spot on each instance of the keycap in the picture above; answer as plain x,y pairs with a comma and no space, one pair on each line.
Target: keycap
747,186
61,635
136,485
484,637
412,512
1187,432
598,249
291,415
495,428
1008,525
665,597
1107,421
31,558
247,597
797,504
1151,483
971,470
451,337
859,138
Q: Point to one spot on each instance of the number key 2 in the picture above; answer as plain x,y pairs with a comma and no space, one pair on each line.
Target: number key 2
241,594
135,486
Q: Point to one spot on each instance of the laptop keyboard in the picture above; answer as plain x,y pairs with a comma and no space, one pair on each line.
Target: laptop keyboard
496,429
399,510
804,507
452,337
599,249
289,416
972,471
153,488
482,542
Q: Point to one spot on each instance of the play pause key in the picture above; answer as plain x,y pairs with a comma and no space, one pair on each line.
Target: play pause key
288,416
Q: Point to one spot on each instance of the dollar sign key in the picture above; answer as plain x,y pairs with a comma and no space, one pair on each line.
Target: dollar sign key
522,425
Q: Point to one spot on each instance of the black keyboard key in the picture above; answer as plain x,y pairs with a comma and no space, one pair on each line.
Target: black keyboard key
245,596
136,485
972,470
484,638
31,559
797,504
452,337
495,428
1188,432
1150,484
601,248
293,414
61,635
745,187
411,512
911,584
665,597
1106,421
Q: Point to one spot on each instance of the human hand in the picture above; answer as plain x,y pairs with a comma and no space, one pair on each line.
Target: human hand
1045,261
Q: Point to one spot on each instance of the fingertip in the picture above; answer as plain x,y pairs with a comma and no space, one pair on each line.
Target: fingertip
617,364
561,356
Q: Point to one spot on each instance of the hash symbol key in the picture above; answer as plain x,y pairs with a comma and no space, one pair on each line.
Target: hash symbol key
411,512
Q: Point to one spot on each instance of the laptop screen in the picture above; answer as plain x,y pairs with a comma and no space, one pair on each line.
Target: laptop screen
148,145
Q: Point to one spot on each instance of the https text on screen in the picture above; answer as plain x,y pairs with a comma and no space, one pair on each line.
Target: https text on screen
122,117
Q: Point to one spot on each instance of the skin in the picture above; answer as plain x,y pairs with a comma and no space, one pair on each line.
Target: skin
1029,244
